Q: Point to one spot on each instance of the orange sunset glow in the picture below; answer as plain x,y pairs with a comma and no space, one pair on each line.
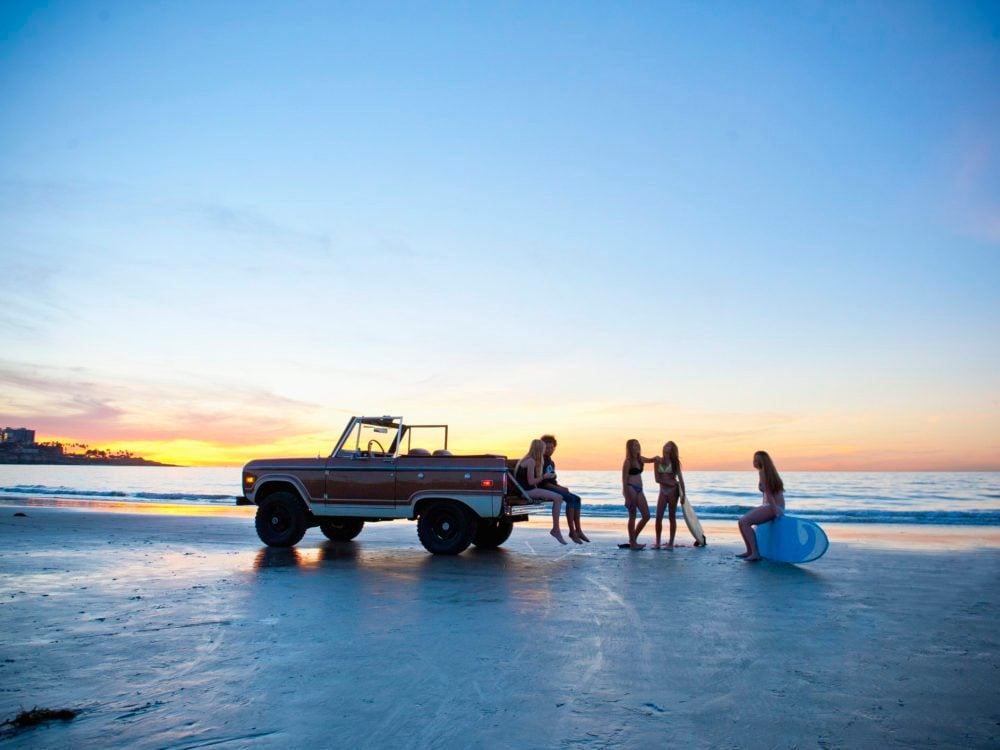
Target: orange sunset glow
712,442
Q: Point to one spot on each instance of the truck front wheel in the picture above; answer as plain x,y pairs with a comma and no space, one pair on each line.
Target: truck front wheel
492,532
445,528
341,529
281,520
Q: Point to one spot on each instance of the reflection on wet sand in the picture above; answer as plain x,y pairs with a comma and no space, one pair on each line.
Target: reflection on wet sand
295,557
476,575
881,536
115,506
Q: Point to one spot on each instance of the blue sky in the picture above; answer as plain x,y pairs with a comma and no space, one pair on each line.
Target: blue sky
736,227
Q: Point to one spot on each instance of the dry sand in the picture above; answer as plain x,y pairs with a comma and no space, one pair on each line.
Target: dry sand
169,629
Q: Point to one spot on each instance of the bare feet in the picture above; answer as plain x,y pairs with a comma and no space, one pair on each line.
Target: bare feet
755,558
558,536
744,555
668,545
582,536
575,538
656,546
636,545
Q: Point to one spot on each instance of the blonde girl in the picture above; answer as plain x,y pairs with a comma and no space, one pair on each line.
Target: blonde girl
528,474
773,506
667,473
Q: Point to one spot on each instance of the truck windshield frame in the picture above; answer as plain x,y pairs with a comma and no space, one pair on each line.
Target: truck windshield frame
364,432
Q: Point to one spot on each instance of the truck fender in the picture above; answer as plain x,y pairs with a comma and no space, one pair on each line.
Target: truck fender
283,479
483,505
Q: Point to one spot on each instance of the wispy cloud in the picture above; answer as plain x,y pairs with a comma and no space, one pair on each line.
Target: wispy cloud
60,204
975,183
223,218
26,287
75,403
18,195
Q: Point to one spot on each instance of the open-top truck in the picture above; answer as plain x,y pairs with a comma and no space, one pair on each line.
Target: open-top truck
380,470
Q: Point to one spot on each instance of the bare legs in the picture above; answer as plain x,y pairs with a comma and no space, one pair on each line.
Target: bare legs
638,506
668,498
556,507
579,529
573,521
760,514
556,500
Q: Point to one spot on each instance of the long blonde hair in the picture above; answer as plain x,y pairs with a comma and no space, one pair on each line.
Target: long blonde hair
536,451
772,481
673,456
633,462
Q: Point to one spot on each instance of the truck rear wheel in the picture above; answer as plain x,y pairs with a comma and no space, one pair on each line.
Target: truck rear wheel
445,528
341,529
281,520
492,532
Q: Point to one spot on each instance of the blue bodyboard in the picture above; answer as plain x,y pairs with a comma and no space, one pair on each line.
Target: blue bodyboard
790,539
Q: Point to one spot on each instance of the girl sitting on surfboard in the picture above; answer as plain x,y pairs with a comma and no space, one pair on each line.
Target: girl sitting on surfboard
773,506
635,499
667,472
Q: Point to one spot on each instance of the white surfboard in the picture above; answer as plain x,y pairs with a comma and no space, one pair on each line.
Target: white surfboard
694,525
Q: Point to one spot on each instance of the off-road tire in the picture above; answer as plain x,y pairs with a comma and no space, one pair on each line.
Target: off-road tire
282,520
341,529
446,527
492,532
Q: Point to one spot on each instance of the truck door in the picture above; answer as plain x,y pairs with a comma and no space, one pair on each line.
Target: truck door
367,481
362,473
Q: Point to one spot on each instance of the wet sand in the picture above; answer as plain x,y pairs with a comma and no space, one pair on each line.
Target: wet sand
170,628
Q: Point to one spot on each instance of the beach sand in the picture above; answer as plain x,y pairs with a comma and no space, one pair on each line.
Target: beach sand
173,628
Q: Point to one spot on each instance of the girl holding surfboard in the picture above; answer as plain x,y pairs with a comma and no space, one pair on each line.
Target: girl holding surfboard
667,472
635,499
773,506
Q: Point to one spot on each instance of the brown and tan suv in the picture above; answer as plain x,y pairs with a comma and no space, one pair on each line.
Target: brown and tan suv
382,469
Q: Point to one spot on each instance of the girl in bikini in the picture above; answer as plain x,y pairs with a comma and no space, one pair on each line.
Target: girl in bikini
773,506
667,472
635,499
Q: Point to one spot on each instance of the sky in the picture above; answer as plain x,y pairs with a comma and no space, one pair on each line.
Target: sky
227,227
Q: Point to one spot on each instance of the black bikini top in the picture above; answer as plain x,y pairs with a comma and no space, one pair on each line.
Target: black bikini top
633,471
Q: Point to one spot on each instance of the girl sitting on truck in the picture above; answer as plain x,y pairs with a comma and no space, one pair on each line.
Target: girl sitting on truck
528,474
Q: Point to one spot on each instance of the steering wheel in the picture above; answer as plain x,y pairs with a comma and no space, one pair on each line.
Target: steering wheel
376,442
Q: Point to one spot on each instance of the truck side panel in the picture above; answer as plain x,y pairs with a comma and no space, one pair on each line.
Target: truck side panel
475,478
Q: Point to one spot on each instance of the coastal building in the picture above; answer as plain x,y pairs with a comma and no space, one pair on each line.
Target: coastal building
18,446
18,435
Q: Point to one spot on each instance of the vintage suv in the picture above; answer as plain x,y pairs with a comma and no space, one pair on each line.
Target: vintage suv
382,469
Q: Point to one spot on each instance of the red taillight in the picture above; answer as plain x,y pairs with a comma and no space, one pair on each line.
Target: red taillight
486,483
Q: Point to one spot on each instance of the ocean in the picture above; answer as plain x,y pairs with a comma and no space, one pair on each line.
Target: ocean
923,498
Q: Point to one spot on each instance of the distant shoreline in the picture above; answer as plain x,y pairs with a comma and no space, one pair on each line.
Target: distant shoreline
82,461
